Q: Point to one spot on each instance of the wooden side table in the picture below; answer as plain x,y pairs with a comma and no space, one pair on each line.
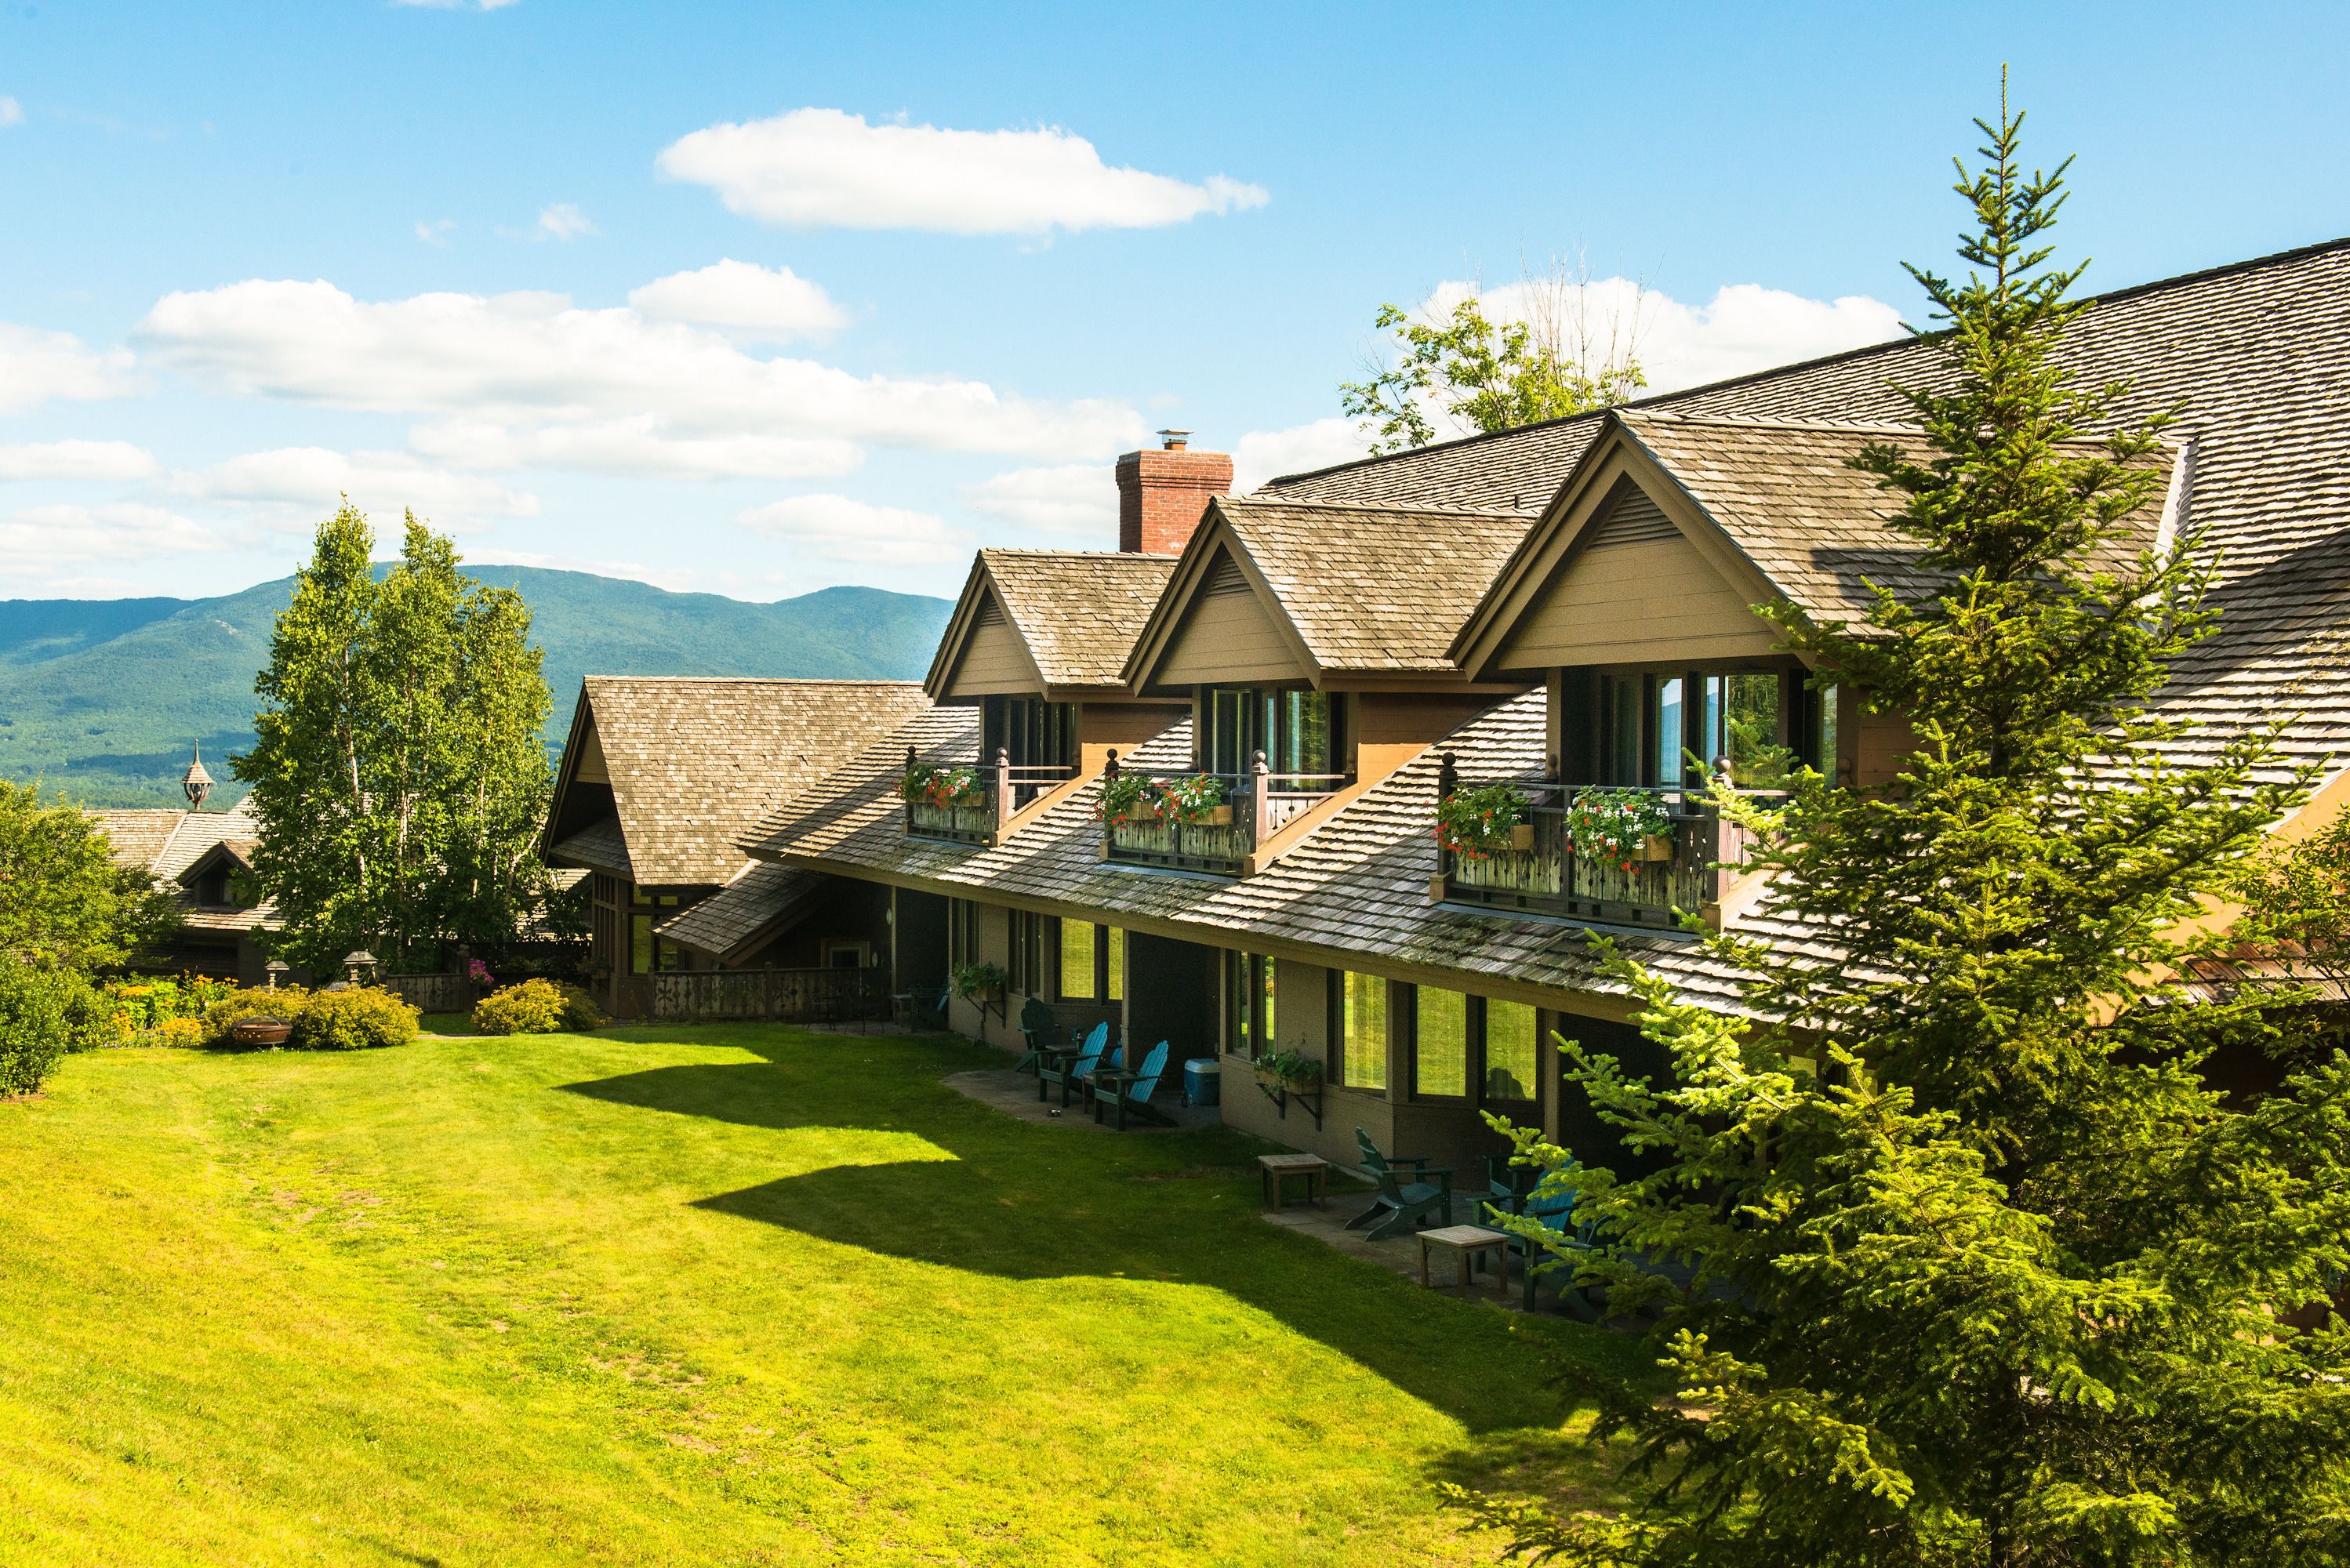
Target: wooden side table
1278,1168
1465,1243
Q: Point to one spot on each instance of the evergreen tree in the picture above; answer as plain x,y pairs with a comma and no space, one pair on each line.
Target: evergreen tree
1960,1258
399,774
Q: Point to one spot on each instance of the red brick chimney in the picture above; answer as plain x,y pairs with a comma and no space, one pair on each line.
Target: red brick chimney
1163,495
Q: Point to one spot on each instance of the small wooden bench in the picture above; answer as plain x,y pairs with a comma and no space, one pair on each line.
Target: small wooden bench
1466,1242
1279,1168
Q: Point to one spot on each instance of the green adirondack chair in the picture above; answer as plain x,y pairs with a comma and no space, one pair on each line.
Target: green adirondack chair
1555,1214
1134,1100
1407,1196
1088,1057
1036,1028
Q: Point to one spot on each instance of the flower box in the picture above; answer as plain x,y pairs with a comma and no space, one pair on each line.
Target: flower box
1217,817
1657,847
1521,836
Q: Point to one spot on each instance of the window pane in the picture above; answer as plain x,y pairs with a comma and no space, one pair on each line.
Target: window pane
1363,1061
1268,1032
1440,1043
1670,739
1827,758
1078,959
1623,760
1117,964
1759,757
1510,1041
640,944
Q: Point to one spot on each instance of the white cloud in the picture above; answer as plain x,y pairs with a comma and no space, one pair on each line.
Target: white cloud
45,536
298,484
1073,498
822,167
76,460
11,111
839,528
1262,455
562,221
1744,327
523,373
754,302
435,233
37,365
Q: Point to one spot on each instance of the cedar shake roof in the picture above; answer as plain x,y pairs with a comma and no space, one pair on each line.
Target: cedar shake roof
598,846
762,898
1078,611
867,783
138,836
169,842
695,762
2258,354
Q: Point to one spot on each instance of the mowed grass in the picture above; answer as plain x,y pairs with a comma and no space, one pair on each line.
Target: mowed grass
743,1295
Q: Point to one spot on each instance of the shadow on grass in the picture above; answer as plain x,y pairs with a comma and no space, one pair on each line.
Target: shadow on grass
1023,1201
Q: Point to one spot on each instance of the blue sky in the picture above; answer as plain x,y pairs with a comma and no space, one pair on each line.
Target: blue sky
756,299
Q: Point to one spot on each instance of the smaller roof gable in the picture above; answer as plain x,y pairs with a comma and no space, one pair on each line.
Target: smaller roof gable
599,847
1076,612
762,902
228,854
694,762
1363,589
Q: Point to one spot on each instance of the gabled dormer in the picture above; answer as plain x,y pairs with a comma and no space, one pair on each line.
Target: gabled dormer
220,879
1037,642
1311,641
1634,599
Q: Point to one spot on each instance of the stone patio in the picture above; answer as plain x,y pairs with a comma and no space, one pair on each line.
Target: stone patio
1015,1094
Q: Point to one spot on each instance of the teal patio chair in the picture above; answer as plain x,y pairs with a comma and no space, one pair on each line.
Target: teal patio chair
1077,1071
1407,1197
1554,1212
1133,1098
1036,1028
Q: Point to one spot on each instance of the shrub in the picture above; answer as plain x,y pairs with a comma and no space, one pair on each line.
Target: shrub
356,1018
536,1007
285,1002
33,1029
179,1032
94,1020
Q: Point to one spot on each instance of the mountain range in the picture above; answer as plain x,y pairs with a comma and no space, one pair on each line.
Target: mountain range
102,699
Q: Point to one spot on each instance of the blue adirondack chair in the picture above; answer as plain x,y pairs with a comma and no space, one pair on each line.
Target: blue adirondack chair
1407,1196
1555,1213
1133,1098
1088,1057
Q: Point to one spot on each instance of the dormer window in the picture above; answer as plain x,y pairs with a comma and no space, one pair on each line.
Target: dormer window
1651,724
1296,728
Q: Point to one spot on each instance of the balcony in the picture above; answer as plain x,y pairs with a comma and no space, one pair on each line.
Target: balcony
1162,821
1539,872
970,803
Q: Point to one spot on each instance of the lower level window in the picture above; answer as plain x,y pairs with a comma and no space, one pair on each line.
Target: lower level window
1512,1037
1439,1037
1250,1021
1363,1030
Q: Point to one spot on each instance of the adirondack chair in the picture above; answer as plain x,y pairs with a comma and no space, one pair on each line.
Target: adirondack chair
1133,1098
1508,1186
1088,1057
1036,1028
1406,1198
1555,1213
926,1006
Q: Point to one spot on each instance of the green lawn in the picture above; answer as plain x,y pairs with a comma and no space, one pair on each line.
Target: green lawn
738,1296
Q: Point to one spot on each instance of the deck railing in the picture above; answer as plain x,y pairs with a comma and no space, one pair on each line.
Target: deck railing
771,995
1543,874
1257,804
999,792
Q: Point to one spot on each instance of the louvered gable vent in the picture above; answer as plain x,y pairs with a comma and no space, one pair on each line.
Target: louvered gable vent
1224,579
1630,518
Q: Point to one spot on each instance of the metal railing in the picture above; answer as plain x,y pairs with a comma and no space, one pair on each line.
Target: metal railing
1000,791
1684,869
1257,804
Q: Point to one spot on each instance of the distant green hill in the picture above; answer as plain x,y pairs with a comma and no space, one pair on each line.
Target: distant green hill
101,698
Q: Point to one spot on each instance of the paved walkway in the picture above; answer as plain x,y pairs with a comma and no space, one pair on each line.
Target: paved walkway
1015,1094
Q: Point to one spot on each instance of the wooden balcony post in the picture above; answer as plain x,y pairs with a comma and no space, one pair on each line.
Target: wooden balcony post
905,801
1003,785
1260,800
1447,783
1109,768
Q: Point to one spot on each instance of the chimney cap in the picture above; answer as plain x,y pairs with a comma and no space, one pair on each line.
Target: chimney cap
1175,441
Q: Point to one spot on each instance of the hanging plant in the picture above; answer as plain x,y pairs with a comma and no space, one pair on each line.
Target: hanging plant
978,982
1126,798
1482,822
926,784
1195,799
1620,827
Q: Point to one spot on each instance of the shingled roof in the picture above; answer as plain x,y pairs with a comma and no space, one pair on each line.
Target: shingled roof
867,783
1078,611
694,762
763,896
165,841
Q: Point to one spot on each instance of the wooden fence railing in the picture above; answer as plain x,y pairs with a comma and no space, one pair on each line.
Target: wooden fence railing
431,992
771,995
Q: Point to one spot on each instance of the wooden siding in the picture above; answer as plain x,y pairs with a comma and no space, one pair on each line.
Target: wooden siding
591,768
1634,591
994,660
1875,745
1228,635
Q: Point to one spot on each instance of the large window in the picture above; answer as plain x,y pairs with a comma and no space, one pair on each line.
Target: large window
1035,732
1670,729
1093,962
647,953
1251,1021
1513,1035
1296,729
962,931
1362,1031
1031,953
1439,1039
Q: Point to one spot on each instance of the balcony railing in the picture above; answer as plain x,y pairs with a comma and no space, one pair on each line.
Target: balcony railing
1257,804
999,791
1542,873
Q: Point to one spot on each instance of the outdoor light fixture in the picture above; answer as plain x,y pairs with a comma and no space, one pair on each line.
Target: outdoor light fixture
276,968
355,961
